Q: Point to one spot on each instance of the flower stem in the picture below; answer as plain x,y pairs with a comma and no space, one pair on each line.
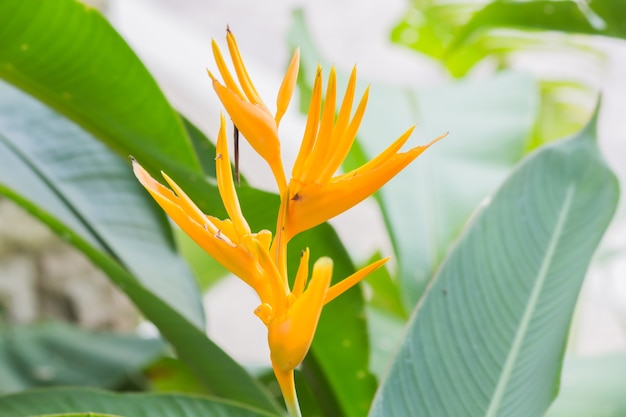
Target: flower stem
288,388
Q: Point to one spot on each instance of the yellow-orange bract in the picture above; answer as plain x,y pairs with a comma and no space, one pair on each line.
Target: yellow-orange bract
313,195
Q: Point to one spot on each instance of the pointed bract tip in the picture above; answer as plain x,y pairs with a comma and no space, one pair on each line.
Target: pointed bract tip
437,139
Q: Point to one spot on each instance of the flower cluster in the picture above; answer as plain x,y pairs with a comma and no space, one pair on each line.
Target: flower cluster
313,195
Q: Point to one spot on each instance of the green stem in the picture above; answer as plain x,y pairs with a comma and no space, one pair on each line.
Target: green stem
294,408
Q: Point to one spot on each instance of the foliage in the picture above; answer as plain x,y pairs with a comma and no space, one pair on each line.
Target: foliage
492,230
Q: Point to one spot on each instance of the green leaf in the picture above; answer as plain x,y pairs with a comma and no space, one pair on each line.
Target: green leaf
458,33
78,400
592,386
489,336
596,17
88,196
385,295
427,205
429,26
68,56
58,354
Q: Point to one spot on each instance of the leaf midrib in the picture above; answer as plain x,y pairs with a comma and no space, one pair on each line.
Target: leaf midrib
54,188
507,371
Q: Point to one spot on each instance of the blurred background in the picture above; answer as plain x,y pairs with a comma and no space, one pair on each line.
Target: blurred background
396,45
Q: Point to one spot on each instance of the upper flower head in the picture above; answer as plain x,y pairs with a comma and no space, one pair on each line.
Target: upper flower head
314,194
246,108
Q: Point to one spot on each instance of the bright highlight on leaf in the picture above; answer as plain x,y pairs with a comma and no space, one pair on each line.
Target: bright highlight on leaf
313,195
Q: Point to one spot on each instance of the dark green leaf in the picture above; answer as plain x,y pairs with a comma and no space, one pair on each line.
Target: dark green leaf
68,56
488,338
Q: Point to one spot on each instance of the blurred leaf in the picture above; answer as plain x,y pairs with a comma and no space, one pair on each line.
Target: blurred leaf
385,331
459,35
593,17
79,400
489,336
58,354
592,386
89,197
427,205
564,107
385,295
429,26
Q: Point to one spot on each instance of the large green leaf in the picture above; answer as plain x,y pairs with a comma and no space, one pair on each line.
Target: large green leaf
427,205
68,56
592,386
488,338
91,198
77,400
58,354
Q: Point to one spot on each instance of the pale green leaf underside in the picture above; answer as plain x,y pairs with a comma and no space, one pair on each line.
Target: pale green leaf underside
489,336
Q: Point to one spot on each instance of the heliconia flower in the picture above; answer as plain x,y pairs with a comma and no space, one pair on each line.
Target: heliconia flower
291,315
313,195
